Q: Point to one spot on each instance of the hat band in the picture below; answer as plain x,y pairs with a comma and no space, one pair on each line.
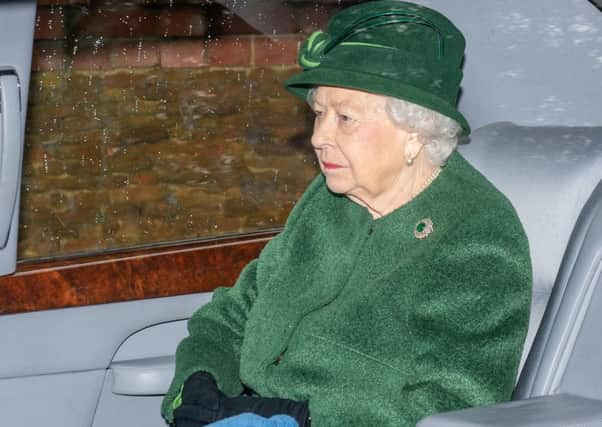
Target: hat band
403,18
320,43
436,77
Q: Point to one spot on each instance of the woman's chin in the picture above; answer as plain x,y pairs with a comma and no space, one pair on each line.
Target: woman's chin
337,186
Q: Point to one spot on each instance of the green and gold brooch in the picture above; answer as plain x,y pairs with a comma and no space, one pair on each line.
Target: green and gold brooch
423,228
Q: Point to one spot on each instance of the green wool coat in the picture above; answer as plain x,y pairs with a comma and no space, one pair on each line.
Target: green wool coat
370,324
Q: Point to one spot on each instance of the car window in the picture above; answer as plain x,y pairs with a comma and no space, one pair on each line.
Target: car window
165,121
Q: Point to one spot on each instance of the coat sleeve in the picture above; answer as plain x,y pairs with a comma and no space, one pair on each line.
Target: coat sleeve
215,337
217,329
471,319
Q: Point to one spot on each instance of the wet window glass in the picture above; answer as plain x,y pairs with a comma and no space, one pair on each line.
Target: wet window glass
163,121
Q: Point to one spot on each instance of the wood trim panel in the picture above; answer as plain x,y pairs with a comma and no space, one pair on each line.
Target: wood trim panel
129,275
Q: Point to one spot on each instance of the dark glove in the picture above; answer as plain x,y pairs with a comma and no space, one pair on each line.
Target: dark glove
203,403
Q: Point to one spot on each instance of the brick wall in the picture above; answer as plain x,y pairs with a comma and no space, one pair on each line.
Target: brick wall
153,122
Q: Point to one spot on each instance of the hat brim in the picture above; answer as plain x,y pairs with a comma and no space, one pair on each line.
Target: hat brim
299,84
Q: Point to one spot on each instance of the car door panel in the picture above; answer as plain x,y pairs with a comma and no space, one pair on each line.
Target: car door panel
139,375
59,360
132,411
83,338
152,341
67,356
65,400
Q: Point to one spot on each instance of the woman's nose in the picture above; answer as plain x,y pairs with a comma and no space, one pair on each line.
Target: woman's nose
323,134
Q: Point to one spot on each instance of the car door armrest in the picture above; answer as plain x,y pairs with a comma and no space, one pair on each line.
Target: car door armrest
143,377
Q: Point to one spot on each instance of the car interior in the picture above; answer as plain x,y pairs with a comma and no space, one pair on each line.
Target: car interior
88,336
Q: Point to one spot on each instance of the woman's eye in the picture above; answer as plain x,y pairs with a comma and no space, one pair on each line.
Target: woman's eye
318,113
345,119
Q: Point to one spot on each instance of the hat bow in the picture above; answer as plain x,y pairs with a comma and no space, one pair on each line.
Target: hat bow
312,50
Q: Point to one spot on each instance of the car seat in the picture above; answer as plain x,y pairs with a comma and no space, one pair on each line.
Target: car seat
552,176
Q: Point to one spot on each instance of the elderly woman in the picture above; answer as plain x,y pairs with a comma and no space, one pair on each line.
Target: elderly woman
400,285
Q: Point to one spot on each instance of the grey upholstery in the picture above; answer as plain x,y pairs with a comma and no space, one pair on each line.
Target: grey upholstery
552,175
548,173
559,410
565,356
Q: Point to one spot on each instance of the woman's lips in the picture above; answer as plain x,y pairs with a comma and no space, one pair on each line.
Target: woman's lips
328,165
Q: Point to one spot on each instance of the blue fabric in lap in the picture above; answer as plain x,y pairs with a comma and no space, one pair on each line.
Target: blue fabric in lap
252,420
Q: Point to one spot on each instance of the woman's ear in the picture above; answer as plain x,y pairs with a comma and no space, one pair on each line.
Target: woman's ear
413,147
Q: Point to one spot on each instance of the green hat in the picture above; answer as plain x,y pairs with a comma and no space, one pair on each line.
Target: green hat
391,48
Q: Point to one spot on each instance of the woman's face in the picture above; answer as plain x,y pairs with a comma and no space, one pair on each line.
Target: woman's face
360,150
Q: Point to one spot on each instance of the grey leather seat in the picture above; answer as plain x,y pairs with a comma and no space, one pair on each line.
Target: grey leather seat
552,175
